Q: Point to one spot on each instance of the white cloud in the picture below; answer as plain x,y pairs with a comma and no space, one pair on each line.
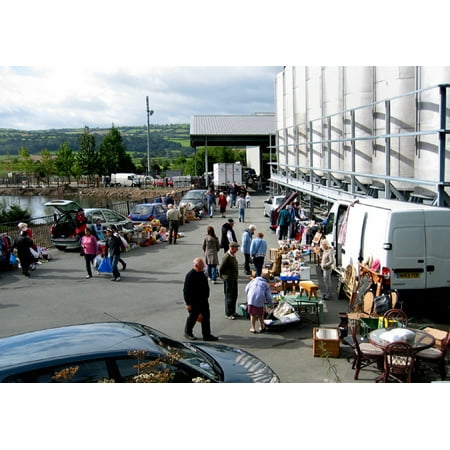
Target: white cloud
72,97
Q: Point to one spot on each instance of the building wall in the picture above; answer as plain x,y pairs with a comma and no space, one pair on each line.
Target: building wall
327,118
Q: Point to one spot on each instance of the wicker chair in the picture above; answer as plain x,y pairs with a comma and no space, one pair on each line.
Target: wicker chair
435,356
395,317
398,362
365,354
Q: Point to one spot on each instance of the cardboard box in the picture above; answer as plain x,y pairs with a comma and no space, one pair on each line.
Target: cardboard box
438,335
326,340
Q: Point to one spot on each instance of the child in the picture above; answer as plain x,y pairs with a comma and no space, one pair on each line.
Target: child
163,234
247,200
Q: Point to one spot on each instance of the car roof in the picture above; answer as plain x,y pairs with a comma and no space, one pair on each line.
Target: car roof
192,191
64,205
149,204
72,341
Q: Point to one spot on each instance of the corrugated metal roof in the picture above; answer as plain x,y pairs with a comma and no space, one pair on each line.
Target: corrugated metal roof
257,124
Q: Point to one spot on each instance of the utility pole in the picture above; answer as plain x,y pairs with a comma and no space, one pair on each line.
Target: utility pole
149,113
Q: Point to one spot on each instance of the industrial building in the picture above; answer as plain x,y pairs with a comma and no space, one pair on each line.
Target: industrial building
349,132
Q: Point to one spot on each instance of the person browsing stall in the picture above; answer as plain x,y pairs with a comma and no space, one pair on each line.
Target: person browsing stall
196,295
229,272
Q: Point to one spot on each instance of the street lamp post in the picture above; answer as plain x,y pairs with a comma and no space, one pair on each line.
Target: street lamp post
149,113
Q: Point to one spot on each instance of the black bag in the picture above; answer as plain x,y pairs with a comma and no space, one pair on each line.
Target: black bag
382,303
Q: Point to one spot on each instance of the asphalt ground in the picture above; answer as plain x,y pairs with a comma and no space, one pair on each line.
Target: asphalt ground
318,400
150,292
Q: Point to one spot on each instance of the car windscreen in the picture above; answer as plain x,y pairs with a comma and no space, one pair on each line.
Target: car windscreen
92,216
142,209
185,354
193,196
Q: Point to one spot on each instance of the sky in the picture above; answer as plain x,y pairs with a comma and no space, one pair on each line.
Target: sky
38,98
94,62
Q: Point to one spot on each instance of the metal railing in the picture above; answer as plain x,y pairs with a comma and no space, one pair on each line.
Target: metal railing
41,225
299,146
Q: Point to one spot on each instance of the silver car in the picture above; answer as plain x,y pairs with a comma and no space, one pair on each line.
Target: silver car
272,203
62,231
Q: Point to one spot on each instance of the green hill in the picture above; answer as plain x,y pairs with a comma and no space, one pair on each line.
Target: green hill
165,140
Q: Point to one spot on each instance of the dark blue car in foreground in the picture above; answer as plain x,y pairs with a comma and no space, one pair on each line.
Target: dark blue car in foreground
123,352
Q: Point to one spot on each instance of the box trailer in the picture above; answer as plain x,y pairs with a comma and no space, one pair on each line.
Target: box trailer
410,242
226,173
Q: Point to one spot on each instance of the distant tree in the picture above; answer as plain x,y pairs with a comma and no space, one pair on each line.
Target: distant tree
87,156
47,164
196,164
65,160
112,154
24,162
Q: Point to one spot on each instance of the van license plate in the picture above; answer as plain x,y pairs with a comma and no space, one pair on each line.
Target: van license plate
408,275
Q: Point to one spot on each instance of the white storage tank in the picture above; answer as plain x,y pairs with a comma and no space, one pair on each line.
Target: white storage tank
314,115
299,85
288,107
279,96
426,165
333,103
358,90
391,82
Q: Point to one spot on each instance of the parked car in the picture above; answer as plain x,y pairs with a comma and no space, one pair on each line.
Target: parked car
95,352
62,231
195,199
161,182
146,212
273,202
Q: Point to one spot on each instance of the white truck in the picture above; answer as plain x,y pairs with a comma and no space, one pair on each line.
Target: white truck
410,241
125,179
225,173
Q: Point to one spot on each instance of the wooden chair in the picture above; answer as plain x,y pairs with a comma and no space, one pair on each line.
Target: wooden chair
398,363
394,318
365,354
435,356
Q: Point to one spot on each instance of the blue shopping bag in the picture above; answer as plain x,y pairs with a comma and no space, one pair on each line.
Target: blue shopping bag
105,266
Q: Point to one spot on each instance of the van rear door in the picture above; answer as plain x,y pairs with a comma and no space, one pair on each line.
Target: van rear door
405,250
437,239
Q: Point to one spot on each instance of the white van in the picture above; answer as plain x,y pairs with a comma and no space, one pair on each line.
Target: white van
125,179
411,241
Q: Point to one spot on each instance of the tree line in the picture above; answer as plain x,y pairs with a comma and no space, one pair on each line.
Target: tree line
111,156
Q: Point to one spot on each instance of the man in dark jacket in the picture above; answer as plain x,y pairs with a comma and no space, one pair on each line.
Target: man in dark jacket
229,272
114,246
228,235
283,221
24,244
196,294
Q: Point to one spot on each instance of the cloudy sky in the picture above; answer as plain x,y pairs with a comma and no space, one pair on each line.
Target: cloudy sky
36,98
94,62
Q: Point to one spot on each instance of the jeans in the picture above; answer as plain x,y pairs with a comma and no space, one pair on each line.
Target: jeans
114,262
327,282
212,272
173,231
211,208
241,214
230,288
258,261
88,260
247,263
